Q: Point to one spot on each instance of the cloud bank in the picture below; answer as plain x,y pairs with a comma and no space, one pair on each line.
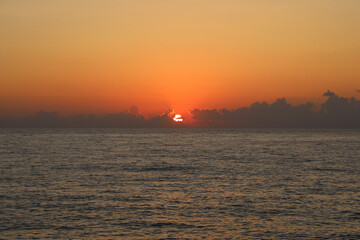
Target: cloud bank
335,112
126,119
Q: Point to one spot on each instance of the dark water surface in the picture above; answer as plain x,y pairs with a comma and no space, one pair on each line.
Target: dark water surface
179,184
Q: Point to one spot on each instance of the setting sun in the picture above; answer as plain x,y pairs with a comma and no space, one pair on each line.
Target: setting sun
178,118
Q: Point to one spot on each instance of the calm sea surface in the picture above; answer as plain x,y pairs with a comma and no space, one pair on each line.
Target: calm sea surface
179,184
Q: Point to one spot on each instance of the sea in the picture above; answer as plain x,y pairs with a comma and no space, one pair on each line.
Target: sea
179,184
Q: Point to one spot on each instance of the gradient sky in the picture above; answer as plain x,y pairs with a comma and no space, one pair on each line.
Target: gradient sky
104,56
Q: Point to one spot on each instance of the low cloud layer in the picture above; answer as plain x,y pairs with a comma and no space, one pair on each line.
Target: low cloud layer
126,119
335,112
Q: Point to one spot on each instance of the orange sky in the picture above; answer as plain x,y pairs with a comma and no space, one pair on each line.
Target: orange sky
104,56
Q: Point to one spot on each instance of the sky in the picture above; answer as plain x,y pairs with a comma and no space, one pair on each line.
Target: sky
105,56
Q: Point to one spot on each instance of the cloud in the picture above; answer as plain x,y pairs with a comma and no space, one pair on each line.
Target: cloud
335,112
340,112
126,119
277,114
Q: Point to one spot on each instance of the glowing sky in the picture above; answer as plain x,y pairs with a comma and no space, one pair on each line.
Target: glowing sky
104,56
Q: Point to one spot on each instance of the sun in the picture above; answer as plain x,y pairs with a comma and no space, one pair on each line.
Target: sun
178,118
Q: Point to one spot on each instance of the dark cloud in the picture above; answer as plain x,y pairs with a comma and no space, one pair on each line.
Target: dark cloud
340,112
277,114
357,90
328,94
335,112
126,119
134,110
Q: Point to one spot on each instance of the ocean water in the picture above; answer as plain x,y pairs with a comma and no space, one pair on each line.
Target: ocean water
179,184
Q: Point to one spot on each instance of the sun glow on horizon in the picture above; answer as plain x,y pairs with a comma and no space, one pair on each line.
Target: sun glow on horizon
178,118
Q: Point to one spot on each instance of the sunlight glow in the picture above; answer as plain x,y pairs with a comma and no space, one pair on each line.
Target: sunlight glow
178,118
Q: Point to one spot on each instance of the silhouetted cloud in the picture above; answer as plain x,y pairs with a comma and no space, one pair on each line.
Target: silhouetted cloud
126,119
335,112
357,90
277,114
134,110
340,112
